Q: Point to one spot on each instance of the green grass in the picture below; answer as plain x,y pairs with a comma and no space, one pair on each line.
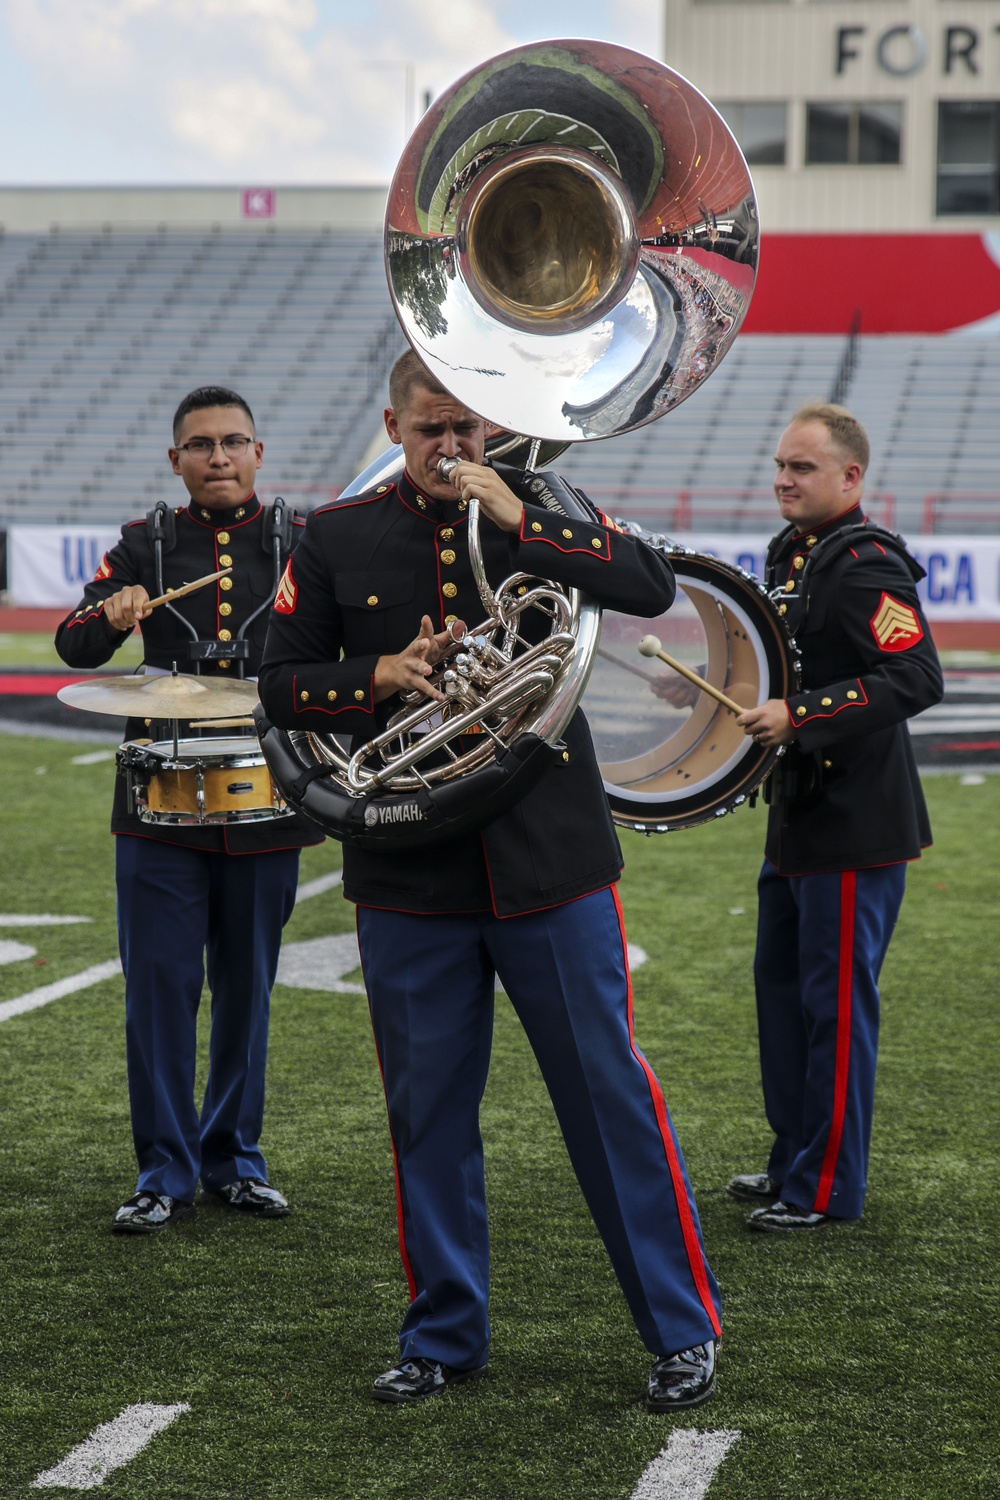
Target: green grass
861,1363
30,649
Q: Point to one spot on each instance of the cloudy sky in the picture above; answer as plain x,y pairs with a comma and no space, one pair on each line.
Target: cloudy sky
261,91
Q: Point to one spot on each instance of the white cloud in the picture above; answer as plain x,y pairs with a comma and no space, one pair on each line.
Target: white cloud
269,90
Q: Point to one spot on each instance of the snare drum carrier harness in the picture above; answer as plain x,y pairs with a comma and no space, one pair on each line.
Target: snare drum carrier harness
276,539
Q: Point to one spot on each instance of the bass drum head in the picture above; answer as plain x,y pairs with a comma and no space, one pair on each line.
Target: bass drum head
670,755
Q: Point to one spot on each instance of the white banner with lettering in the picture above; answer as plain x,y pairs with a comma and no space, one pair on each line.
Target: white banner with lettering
49,565
963,572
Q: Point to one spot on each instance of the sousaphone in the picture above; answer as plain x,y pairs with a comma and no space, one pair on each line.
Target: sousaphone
571,246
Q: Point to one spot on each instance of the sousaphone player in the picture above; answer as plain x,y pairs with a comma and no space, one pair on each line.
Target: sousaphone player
374,593
571,246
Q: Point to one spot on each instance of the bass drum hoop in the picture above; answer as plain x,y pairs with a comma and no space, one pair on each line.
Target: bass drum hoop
708,766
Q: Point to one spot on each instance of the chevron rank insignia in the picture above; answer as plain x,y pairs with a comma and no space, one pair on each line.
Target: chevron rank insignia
895,626
104,571
288,593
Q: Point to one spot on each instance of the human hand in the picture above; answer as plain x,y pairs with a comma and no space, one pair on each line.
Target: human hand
496,499
769,723
124,610
410,669
675,690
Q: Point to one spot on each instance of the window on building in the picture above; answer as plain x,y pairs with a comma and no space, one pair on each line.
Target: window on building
968,160
760,129
854,134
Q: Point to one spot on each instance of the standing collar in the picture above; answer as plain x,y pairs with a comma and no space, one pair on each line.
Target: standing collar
440,512
226,520
853,517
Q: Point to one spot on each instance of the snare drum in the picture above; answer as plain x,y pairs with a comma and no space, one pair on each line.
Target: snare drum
200,782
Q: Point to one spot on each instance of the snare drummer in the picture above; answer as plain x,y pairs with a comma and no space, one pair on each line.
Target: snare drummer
192,899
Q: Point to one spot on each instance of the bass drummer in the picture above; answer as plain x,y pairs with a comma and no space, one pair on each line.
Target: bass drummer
378,588
196,898
847,814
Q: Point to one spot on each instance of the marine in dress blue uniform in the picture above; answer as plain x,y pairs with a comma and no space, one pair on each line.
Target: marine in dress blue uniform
846,814
366,606
195,897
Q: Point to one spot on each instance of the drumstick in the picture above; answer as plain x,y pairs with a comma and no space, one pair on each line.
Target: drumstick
188,588
627,665
650,646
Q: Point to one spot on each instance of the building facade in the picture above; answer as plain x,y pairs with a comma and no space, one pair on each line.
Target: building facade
869,129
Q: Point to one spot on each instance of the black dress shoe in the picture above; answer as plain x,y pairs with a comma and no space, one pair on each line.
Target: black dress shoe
755,1187
679,1381
252,1195
419,1378
786,1218
148,1213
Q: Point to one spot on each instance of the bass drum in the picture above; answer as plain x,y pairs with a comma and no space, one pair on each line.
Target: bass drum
670,755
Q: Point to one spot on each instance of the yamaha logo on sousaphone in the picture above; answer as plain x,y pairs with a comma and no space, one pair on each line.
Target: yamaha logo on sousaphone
571,246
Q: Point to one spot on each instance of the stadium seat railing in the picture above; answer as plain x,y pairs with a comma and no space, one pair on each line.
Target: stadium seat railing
688,510
968,510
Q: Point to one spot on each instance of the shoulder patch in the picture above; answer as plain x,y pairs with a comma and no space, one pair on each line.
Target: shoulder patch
895,626
104,571
288,593
611,523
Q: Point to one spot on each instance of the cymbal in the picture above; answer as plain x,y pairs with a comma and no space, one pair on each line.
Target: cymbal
166,696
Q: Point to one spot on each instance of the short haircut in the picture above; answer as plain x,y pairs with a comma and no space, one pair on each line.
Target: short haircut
845,429
407,373
209,395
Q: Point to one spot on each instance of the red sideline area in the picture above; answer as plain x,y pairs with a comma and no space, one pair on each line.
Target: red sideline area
38,621
899,283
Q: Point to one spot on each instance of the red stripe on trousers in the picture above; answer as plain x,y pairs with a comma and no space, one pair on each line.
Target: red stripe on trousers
400,1231
692,1244
845,986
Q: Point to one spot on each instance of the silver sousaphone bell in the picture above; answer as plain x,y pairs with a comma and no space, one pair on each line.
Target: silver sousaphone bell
571,247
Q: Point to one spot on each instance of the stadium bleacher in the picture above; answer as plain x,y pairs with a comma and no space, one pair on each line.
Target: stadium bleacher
101,332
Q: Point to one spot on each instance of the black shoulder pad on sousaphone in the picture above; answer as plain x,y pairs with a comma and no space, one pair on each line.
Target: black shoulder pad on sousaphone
671,764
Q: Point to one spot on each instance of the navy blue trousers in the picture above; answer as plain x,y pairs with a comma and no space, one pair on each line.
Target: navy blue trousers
430,982
182,912
821,942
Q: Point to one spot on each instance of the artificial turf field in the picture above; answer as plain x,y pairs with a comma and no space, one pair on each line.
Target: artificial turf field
860,1362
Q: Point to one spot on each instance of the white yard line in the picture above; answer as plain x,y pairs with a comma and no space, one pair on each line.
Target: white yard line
11,919
318,887
687,1465
109,1447
34,998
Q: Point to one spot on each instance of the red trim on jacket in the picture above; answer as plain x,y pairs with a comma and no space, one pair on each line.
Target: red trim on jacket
322,510
85,619
223,520
845,988
411,1280
309,707
603,553
692,1242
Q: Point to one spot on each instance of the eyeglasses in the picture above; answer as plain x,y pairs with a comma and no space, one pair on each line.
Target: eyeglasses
233,446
